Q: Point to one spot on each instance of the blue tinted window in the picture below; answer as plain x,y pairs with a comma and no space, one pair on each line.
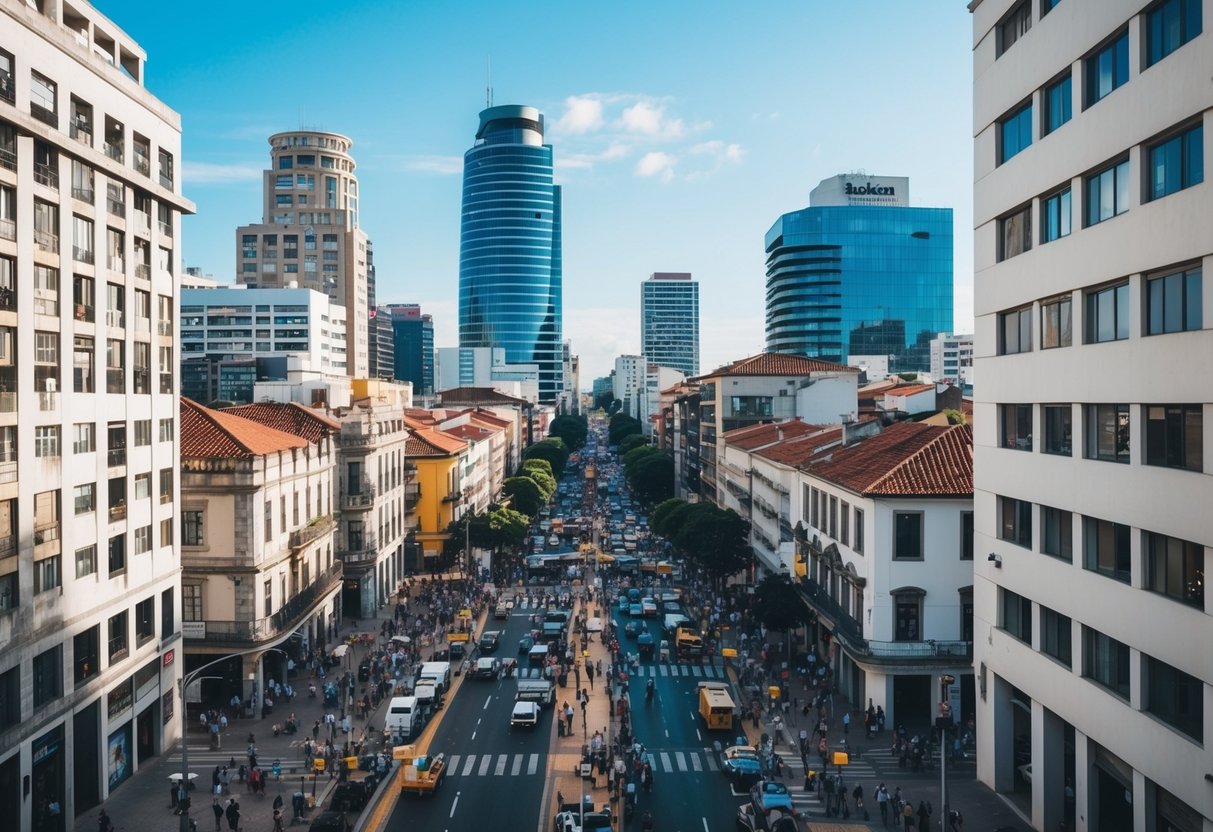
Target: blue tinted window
1107,69
1016,132
1108,193
1058,105
1177,163
1056,216
1169,26
1046,6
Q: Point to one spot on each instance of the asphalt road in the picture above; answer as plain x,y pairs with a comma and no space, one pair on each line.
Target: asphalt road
493,770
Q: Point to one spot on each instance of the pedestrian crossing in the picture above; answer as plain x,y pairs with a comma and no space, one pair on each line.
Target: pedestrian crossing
493,765
686,671
882,754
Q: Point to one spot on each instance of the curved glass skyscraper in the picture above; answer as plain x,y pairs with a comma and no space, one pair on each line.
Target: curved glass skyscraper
509,248
860,272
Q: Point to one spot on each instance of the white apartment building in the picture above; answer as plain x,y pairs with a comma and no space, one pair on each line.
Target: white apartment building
377,488
656,379
629,382
570,396
309,233
90,234
1093,343
456,367
952,359
241,322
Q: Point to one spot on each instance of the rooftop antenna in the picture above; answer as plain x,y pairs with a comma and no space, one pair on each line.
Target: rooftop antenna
488,82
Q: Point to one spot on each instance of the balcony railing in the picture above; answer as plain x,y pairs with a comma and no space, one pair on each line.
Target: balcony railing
83,194
118,512
142,164
8,229
47,241
116,457
116,207
164,327
412,496
143,271
361,500
166,228
287,619
82,255
44,115
166,181
46,533
453,497
82,132
8,545
8,158
115,151
313,530
359,551
46,175
8,402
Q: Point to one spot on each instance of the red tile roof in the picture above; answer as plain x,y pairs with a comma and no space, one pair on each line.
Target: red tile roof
909,389
289,417
755,436
429,442
476,396
904,460
486,417
218,434
778,364
802,449
472,432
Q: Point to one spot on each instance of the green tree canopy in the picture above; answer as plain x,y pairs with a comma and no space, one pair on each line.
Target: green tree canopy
509,527
604,400
719,541
634,456
622,426
546,482
552,450
631,442
652,478
536,464
572,429
661,518
778,605
525,495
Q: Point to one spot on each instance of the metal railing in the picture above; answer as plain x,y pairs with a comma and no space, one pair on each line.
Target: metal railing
46,533
116,457
46,175
8,545
44,115
142,164
364,499
82,255
115,151
286,619
82,132
313,530
46,240
359,551
115,206
82,194
166,181
166,228
8,158
8,229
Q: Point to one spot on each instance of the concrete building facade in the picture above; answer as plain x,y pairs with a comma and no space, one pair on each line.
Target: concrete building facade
413,347
669,321
952,359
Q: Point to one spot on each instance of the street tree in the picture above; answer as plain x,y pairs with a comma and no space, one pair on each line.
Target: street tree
719,541
524,494
631,442
652,478
660,517
778,605
545,481
509,527
552,450
622,426
572,429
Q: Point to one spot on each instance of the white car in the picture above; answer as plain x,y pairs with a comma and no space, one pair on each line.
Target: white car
525,715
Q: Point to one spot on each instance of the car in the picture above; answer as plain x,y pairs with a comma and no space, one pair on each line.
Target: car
525,715
525,644
490,641
740,764
646,644
502,611
487,668
648,607
770,795
636,611
631,629
748,820
624,603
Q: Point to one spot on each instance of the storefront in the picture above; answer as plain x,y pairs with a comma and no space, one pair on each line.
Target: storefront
49,769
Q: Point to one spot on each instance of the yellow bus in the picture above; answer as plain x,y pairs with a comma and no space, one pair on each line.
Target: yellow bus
716,705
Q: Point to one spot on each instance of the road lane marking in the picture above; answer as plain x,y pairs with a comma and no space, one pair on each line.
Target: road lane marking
681,759
467,767
454,762
485,763
473,735
705,825
487,700
502,759
711,758
517,767
698,735
695,764
454,805
665,762
665,671
532,765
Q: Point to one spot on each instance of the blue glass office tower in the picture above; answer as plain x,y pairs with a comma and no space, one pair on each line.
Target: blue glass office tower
860,272
509,248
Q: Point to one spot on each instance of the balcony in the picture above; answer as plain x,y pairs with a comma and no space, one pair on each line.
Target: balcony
412,496
82,132
314,530
46,533
118,512
453,497
164,327
84,312
143,381
166,181
166,228
48,402
8,545
286,620
361,500
47,241
82,255
115,318
8,402
115,151
46,175
116,207
8,229
8,158
364,550
143,271
116,457
142,164
44,115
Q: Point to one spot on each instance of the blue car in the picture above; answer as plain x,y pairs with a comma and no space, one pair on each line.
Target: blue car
740,764
770,795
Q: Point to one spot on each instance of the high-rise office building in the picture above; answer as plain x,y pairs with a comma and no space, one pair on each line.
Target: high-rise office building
382,348
90,241
510,253
309,232
413,346
860,273
669,321
1093,224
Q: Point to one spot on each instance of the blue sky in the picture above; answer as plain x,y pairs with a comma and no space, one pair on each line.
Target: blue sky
681,131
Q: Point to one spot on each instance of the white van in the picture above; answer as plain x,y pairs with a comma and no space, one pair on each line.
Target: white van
403,716
673,621
437,672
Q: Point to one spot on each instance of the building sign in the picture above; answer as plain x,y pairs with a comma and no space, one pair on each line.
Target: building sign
118,756
868,189
166,706
170,655
861,189
119,700
47,745
193,629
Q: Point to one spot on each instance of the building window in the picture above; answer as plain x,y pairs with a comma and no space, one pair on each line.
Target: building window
47,574
43,95
1017,616
1015,331
1175,697
1177,163
168,624
192,528
1058,105
1014,26
1174,435
1170,25
1108,314
118,637
143,540
10,698
268,595
84,439
966,535
48,676
1056,635
1015,233
269,521
83,361
1107,432
858,547
191,602
46,442
1058,425
143,432
1175,568
166,485
117,555
166,430
1106,661
845,517
1105,546
1173,302
1107,69
143,486
86,655
907,531
814,511
1055,323
1015,524
1016,426
1055,216
1108,193
145,621
166,532
84,498
1015,132
86,561
907,612
833,517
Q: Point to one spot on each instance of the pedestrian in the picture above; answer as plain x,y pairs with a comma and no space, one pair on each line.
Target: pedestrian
218,810
104,824
233,815
924,814
278,820
907,815
882,802
857,796
846,722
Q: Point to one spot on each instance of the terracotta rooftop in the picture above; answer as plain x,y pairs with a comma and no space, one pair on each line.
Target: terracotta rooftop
777,364
488,418
472,432
430,442
908,389
904,460
802,449
304,422
755,436
218,434
477,396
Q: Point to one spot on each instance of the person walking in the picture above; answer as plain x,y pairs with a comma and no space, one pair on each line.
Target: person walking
233,815
882,802
924,814
218,810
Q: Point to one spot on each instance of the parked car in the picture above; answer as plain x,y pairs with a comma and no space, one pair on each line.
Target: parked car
525,715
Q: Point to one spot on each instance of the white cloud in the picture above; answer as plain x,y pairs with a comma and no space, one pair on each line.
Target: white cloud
656,163
440,165
649,118
582,114
208,173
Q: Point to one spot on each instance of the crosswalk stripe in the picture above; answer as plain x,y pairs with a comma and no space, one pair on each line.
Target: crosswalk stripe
454,764
517,765
695,764
485,763
665,670
532,765
681,760
665,762
467,767
697,669
711,758
502,759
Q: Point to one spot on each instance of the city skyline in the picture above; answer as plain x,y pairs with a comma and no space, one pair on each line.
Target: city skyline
655,156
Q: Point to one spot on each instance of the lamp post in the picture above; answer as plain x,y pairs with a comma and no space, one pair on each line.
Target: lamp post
187,680
944,722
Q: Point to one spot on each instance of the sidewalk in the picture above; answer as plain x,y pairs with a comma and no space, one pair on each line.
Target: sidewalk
143,802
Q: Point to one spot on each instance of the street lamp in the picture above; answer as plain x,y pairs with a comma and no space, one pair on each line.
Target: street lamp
187,680
944,722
